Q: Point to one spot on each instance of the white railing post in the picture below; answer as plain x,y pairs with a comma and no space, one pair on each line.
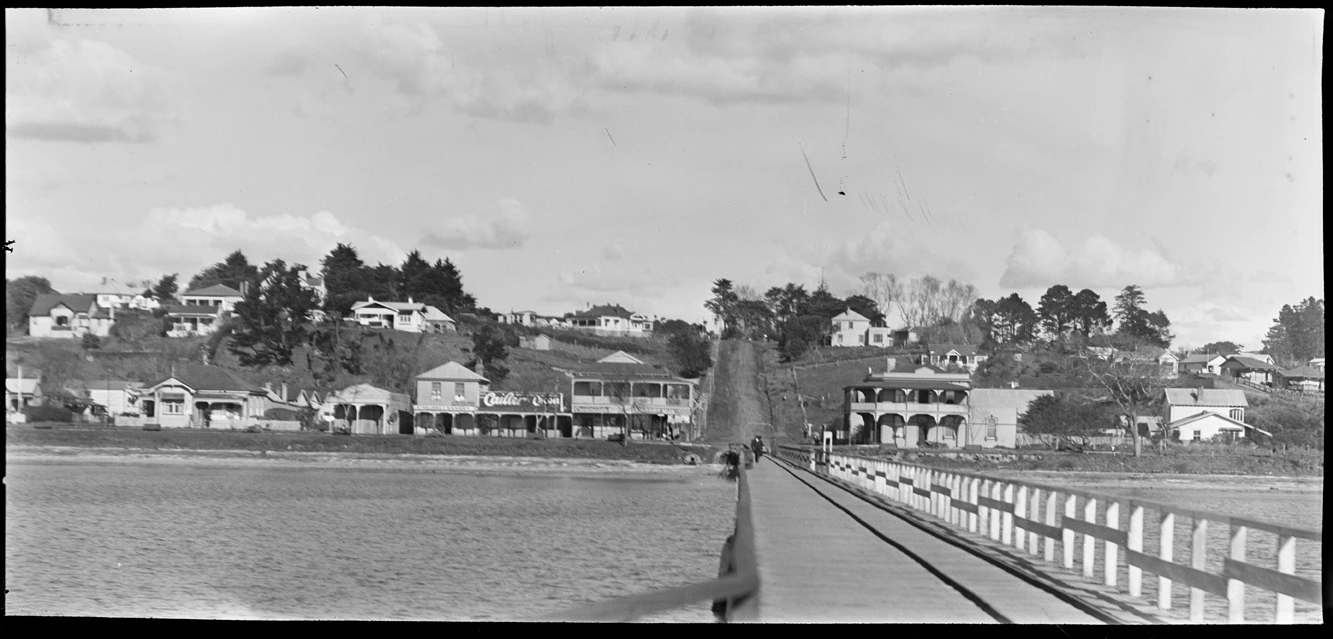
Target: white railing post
1198,561
932,497
1236,587
1067,535
983,512
1020,511
1135,543
956,491
1112,556
1166,550
1034,506
1050,521
995,512
1007,519
1089,542
1286,564
904,491
972,484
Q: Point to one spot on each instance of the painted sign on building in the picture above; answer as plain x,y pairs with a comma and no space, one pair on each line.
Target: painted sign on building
522,402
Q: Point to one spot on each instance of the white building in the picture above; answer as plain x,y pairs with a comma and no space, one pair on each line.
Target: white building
1180,403
53,315
215,295
409,316
849,329
612,319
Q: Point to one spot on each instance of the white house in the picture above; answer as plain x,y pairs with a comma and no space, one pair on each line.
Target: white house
53,315
114,300
189,320
215,295
410,316
118,397
1317,363
145,302
538,343
611,319
1180,403
849,329
1205,363
1202,427
964,355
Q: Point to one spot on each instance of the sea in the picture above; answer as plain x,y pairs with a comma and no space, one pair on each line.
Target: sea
213,539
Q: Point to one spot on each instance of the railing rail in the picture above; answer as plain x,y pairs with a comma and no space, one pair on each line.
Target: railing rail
1033,517
737,588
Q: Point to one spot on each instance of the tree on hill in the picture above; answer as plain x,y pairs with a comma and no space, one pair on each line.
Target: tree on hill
1065,417
1297,334
233,271
1135,321
165,289
825,304
19,296
1009,320
1056,310
691,352
723,305
1134,386
1089,314
488,349
884,289
867,307
799,334
1220,348
343,273
273,318
787,302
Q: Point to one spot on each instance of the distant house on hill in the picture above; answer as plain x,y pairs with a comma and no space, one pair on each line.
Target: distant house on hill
1302,379
1202,363
964,355
69,316
538,343
1317,363
611,320
1255,371
410,316
192,320
849,328
215,295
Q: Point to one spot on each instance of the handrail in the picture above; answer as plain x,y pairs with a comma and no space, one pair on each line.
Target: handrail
1007,511
737,588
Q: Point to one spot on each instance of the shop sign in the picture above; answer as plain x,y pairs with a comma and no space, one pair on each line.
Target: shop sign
523,402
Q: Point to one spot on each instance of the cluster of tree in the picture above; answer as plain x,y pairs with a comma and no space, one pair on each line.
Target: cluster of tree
1062,314
1134,321
1291,423
1297,334
798,318
691,352
19,296
348,280
1066,417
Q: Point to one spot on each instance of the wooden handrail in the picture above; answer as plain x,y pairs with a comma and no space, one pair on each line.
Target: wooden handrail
737,589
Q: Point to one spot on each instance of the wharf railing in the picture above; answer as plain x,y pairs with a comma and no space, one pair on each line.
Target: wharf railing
1035,517
732,593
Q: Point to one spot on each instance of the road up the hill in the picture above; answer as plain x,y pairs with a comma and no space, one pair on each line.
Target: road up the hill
736,411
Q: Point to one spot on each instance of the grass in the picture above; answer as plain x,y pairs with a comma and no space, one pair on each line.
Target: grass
71,435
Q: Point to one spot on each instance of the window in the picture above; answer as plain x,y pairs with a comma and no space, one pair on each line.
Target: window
1238,414
436,389
992,427
1198,436
879,338
62,320
173,408
458,391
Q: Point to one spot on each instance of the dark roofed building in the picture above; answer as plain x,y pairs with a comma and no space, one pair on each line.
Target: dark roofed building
611,319
55,315
197,396
1255,371
1303,379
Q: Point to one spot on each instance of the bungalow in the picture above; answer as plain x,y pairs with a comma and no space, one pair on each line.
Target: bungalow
410,316
196,396
611,319
850,328
53,315
145,303
22,389
366,410
522,318
1202,363
902,337
964,355
114,300
1168,362
1205,426
1302,379
215,295
189,320
1179,403
1263,357
1255,371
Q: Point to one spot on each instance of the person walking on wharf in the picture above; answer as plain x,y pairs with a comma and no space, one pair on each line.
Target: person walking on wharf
758,447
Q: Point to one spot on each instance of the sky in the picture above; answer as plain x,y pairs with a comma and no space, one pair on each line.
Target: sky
566,157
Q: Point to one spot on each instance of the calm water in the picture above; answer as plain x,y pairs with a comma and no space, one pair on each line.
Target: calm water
218,541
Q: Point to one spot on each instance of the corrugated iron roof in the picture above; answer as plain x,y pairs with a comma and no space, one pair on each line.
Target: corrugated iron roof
216,290
1205,397
79,303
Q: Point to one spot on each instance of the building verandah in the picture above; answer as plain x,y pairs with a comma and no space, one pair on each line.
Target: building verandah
497,424
908,413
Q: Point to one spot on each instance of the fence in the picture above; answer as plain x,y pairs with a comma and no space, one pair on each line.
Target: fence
1035,517
732,592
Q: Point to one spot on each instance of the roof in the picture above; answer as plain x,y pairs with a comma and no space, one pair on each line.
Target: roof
110,384
436,315
605,310
628,371
314,280
620,357
365,393
1250,362
28,387
1017,399
44,302
397,306
1234,424
210,378
1205,397
850,315
203,310
1304,371
216,290
963,349
1200,358
453,372
931,384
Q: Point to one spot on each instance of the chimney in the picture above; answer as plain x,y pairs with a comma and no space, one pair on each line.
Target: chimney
892,363
268,386
409,299
1198,393
370,298
284,391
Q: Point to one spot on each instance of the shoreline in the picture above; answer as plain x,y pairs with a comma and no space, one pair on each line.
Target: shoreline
382,461
1294,483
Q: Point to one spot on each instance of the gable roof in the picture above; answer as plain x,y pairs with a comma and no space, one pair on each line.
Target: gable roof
1235,425
621,369
1205,397
28,387
453,372
1201,358
397,306
216,290
1307,372
79,303
992,398
108,384
963,349
368,394
1249,362
210,378
436,315
605,310
850,315
620,357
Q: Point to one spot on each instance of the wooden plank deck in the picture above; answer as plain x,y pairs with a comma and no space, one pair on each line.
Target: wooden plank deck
816,564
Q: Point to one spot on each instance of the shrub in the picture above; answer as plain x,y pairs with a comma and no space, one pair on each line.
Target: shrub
48,414
91,342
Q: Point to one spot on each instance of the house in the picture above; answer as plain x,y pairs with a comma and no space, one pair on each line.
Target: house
366,410
1205,426
849,329
69,316
22,389
145,303
1103,353
945,355
1317,363
315,283
192,320
410,316
538,343
620,393
215,295
1179,403
522,318
116,397
1252,370
919,406
1168,362
1263,357
611,319
197,396
903,337
1302,379
1202,363
993,413
114,300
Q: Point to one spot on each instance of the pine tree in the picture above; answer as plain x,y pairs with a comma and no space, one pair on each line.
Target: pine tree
273,319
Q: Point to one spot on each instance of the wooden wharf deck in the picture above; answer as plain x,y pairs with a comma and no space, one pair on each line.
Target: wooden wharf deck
817,563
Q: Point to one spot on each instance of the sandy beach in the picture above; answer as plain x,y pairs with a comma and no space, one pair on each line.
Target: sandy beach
1146,480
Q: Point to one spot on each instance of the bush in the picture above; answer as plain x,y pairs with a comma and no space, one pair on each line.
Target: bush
91,342
48,414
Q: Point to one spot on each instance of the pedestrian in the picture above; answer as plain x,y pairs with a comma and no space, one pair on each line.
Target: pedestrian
758,447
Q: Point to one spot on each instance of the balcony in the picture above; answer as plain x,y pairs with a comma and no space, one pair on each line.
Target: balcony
908,407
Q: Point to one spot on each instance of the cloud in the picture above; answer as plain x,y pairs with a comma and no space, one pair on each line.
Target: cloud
77,90
510,228
1039,260
182,240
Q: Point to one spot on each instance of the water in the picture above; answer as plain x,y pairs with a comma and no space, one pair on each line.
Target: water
218,540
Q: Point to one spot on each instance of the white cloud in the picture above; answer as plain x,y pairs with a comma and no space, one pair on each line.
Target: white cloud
80,90
509,228
1039,260
182,240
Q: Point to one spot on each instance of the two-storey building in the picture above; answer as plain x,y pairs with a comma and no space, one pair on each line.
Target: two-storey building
217,295
452,399
54,315
917,407
620,393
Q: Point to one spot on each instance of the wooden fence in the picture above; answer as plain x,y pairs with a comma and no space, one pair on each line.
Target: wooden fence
1034,517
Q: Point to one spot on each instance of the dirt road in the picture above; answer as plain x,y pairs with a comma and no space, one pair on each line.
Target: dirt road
736,412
